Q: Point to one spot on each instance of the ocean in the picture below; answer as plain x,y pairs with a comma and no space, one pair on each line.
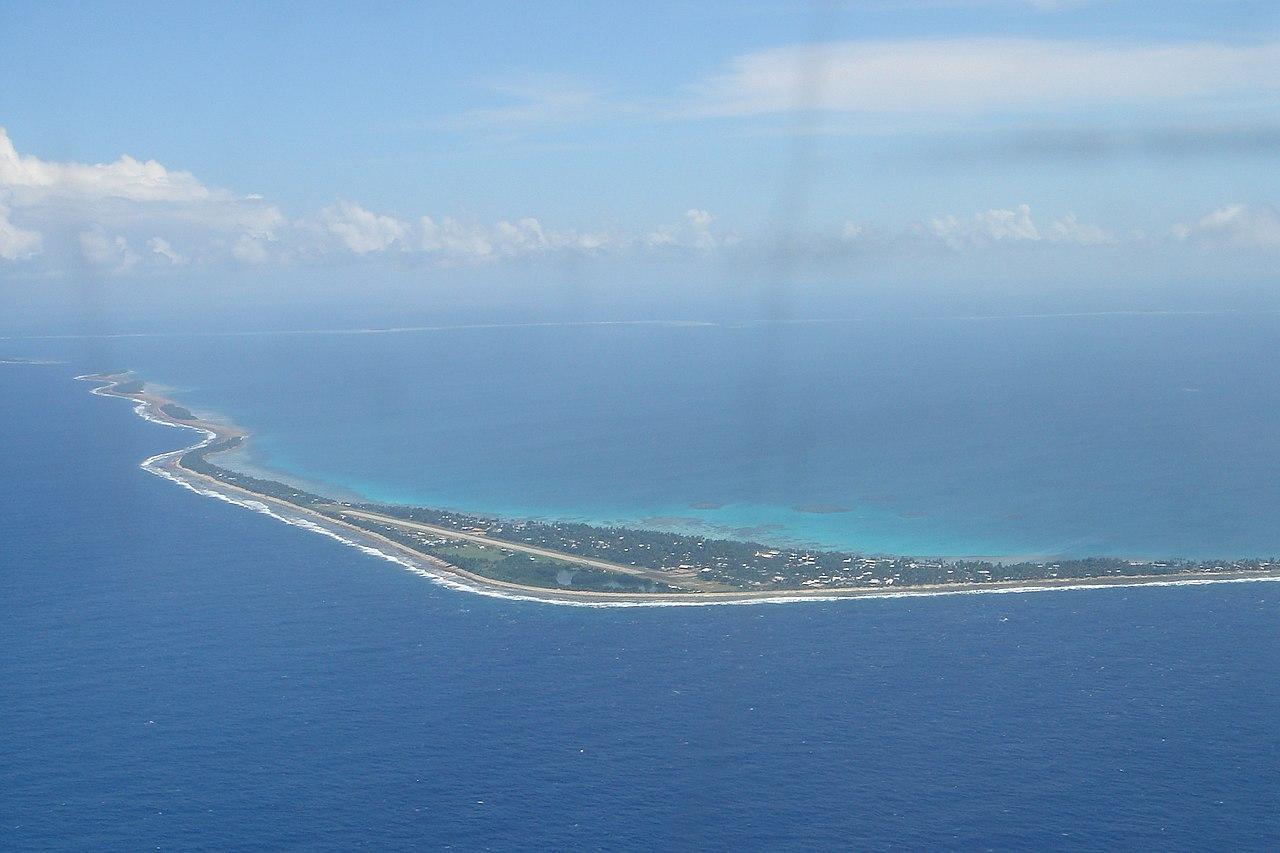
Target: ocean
180,672
1145,436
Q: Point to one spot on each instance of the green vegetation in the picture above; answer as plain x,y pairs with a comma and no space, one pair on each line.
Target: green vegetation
472,552
732,564
538,571
487,562
510,566
194,460
178,413
754,566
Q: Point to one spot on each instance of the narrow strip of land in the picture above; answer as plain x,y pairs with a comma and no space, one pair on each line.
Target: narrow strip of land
685,578
677,568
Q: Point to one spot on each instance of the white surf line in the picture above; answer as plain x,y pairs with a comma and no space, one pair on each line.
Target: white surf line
370,330
152,465
553,324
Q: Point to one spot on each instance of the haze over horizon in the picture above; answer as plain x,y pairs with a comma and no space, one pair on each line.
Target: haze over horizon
790,161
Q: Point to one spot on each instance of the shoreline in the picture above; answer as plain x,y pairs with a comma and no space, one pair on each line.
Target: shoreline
150,406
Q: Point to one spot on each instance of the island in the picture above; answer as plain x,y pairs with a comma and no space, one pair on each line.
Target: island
581,563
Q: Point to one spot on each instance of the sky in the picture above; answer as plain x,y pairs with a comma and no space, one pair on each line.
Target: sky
433,151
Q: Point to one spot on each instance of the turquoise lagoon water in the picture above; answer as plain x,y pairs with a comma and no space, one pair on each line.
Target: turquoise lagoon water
1129,435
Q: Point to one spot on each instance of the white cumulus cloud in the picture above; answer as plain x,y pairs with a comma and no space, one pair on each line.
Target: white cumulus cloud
1011,225
132,215
451,240
1069,229
699,218
30,177
16,243
984,227
139,202
361,230
1236,224
694,232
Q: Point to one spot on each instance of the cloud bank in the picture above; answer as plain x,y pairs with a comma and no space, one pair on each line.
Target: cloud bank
981,75
132,216
1012,226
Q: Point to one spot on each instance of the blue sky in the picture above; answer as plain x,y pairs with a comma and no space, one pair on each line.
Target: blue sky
288,135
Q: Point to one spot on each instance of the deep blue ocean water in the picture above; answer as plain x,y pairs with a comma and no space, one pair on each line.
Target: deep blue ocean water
178,672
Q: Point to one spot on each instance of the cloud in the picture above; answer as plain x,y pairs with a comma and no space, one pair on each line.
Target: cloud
1010,226
251,249
449,239
852,231
700,223
990,225
1069,229
694,232
108,252
93,216
129,215
137,202
981,75
536,100
521,237
1235,225
126,178
360,230
16,243
698,218
160,247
